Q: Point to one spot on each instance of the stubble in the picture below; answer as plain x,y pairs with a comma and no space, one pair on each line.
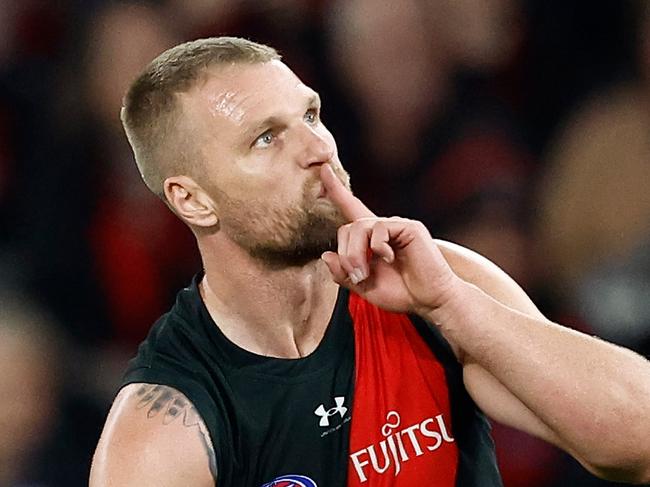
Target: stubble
283,236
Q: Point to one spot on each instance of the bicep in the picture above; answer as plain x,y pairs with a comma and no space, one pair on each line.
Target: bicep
153,437
487,391
499,404
495,400
489,277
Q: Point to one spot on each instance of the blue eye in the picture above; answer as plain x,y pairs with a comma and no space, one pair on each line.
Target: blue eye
264,140
311,116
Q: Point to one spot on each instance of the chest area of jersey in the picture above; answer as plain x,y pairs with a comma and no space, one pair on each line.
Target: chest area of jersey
380,417
401,430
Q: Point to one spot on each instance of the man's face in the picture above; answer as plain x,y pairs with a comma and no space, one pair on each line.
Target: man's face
262,144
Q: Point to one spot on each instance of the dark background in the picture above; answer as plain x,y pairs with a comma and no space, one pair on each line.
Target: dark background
520,129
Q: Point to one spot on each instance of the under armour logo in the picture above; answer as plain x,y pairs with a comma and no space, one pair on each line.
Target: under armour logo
325,414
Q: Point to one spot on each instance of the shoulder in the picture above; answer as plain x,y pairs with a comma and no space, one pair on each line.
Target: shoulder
153,436
183,316
172,341
490,278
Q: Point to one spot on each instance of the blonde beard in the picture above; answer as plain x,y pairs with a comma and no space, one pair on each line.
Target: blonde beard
282,237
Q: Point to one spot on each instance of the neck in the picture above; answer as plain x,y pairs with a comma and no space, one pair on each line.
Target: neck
272,312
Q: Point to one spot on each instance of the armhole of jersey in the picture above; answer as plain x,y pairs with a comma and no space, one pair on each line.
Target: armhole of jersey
194,393
440,347
472,428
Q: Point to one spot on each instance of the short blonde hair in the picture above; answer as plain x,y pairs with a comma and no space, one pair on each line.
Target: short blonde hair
150,113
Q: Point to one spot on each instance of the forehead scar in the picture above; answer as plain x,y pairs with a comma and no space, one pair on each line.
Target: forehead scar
226,105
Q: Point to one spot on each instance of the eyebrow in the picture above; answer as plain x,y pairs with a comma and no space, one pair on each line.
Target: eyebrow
313,101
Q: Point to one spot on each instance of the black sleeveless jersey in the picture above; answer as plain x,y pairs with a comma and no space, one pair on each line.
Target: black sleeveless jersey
380,402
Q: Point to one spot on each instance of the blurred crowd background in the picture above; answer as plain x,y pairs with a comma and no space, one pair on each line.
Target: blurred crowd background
519,128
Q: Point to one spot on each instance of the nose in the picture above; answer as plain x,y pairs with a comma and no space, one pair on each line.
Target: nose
316,146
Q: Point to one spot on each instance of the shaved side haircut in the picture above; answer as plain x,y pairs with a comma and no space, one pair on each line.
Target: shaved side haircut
152,115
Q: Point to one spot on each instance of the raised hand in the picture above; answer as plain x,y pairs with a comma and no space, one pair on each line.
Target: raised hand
392,262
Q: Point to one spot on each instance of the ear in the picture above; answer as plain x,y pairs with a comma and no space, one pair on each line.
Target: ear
190,202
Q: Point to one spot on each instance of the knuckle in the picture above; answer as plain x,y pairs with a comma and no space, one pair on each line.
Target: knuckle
376,245
416,224
420,226
346,266
355,261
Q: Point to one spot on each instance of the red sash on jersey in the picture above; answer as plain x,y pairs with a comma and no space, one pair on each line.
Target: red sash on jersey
401,421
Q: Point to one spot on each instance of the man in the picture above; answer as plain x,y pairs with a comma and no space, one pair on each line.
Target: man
310,356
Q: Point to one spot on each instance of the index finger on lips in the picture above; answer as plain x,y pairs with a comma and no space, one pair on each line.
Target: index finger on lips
351,207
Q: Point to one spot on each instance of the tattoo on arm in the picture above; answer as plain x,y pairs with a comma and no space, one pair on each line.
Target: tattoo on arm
173,405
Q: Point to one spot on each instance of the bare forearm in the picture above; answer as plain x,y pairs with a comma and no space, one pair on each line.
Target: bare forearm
593,395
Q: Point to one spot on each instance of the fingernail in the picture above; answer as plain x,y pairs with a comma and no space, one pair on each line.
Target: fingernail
353,278
360,274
